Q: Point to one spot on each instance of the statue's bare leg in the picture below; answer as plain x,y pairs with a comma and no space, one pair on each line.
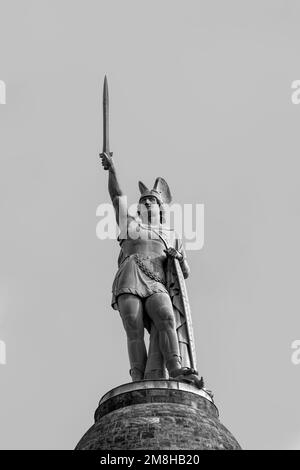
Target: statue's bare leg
159,308
155,368
131,311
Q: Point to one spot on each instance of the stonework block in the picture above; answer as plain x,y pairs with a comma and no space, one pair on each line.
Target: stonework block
157,415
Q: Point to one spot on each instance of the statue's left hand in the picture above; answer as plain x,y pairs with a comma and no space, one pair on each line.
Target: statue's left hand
173,253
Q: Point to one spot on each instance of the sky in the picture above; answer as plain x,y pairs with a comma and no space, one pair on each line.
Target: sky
200,93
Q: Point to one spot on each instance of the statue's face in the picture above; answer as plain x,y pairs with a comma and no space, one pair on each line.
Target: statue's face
149,208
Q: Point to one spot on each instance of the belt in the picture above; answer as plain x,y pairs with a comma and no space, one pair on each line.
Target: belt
152,275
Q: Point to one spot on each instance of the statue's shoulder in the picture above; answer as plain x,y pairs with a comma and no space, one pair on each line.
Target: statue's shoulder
167,231
171,235
170,231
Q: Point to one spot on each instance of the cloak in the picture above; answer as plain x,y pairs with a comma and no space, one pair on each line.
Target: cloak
155,365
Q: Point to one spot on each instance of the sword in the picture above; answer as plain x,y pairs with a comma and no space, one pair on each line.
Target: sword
186,311
187,314
106,118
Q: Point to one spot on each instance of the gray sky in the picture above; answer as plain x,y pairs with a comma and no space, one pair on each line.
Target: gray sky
200,94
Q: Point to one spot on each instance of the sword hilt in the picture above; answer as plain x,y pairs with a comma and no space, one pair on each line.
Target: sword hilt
110,154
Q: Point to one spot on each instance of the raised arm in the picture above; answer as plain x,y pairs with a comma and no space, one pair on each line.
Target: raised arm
115,192
113,183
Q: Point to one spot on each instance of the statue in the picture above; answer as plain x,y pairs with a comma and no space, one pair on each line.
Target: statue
149,289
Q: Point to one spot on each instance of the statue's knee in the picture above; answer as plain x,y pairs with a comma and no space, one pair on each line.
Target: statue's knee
166,320
133,326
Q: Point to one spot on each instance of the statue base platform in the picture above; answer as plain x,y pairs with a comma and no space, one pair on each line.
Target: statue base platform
157,415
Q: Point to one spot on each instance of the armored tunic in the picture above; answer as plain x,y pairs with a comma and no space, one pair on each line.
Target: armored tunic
142,262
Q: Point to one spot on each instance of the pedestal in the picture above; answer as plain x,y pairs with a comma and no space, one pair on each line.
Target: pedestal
157,415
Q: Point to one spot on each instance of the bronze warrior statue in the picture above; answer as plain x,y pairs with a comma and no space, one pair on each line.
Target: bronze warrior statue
148,289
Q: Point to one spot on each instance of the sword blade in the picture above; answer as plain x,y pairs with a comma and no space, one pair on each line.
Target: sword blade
187,314
105,117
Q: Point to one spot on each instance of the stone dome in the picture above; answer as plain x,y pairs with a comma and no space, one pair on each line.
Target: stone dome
157,415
